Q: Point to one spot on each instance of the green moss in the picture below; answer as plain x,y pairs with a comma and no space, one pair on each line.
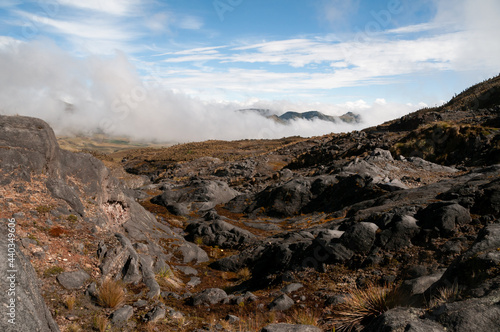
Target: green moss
72,218
52,271
43,209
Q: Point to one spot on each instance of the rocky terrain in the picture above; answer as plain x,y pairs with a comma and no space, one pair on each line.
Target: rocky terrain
393,228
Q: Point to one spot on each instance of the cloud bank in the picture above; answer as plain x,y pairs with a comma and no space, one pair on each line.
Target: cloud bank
85,95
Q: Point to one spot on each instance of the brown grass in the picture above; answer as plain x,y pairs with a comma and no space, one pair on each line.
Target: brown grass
446,295
305,317
364,305
73,328
244,273
110,294
69,302
101,323
57,231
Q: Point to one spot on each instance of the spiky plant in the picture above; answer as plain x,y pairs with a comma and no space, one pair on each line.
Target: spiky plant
363,305
110,294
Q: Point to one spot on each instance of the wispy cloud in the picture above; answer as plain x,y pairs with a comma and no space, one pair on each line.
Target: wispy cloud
112,7
88,28
337,12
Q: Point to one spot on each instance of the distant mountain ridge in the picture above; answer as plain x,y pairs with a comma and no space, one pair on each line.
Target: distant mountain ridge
285,118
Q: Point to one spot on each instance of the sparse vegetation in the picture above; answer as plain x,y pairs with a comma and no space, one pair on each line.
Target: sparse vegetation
43,209
110,294
363,305
198,240
52,271
72,218
69,302
34,238
100,323
73,328
446,295
305,317
57,231
166,278
244,273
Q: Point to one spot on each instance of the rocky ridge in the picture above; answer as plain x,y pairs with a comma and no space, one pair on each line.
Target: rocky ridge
278,241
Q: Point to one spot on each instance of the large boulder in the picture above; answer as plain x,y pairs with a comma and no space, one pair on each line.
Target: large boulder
197,195
360,237
218,233
400,233
478,264
488,199
443,216
403,319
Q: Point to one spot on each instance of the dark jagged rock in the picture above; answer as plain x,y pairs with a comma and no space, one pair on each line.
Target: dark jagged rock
218,233
197,195
477,314
475,266
444,216
360,237
403,319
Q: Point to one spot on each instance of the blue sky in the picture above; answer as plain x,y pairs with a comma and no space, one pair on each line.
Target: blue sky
381,59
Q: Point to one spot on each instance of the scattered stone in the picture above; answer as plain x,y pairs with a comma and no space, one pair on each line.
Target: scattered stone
195,281
73,280
187,270
209,296
140,303
154,315
281,303
192,253
292,288
122,315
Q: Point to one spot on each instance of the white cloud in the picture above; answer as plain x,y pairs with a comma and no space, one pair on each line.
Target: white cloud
337,12
38,78
189,22
112,7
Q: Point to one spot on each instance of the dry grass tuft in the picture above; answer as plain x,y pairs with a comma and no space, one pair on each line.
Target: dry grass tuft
305,317
73,328
446,295
69,302
363,305
244,274
110,294
101,323
167,278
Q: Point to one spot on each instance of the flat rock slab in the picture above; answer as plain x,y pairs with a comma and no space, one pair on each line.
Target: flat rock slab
73,280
